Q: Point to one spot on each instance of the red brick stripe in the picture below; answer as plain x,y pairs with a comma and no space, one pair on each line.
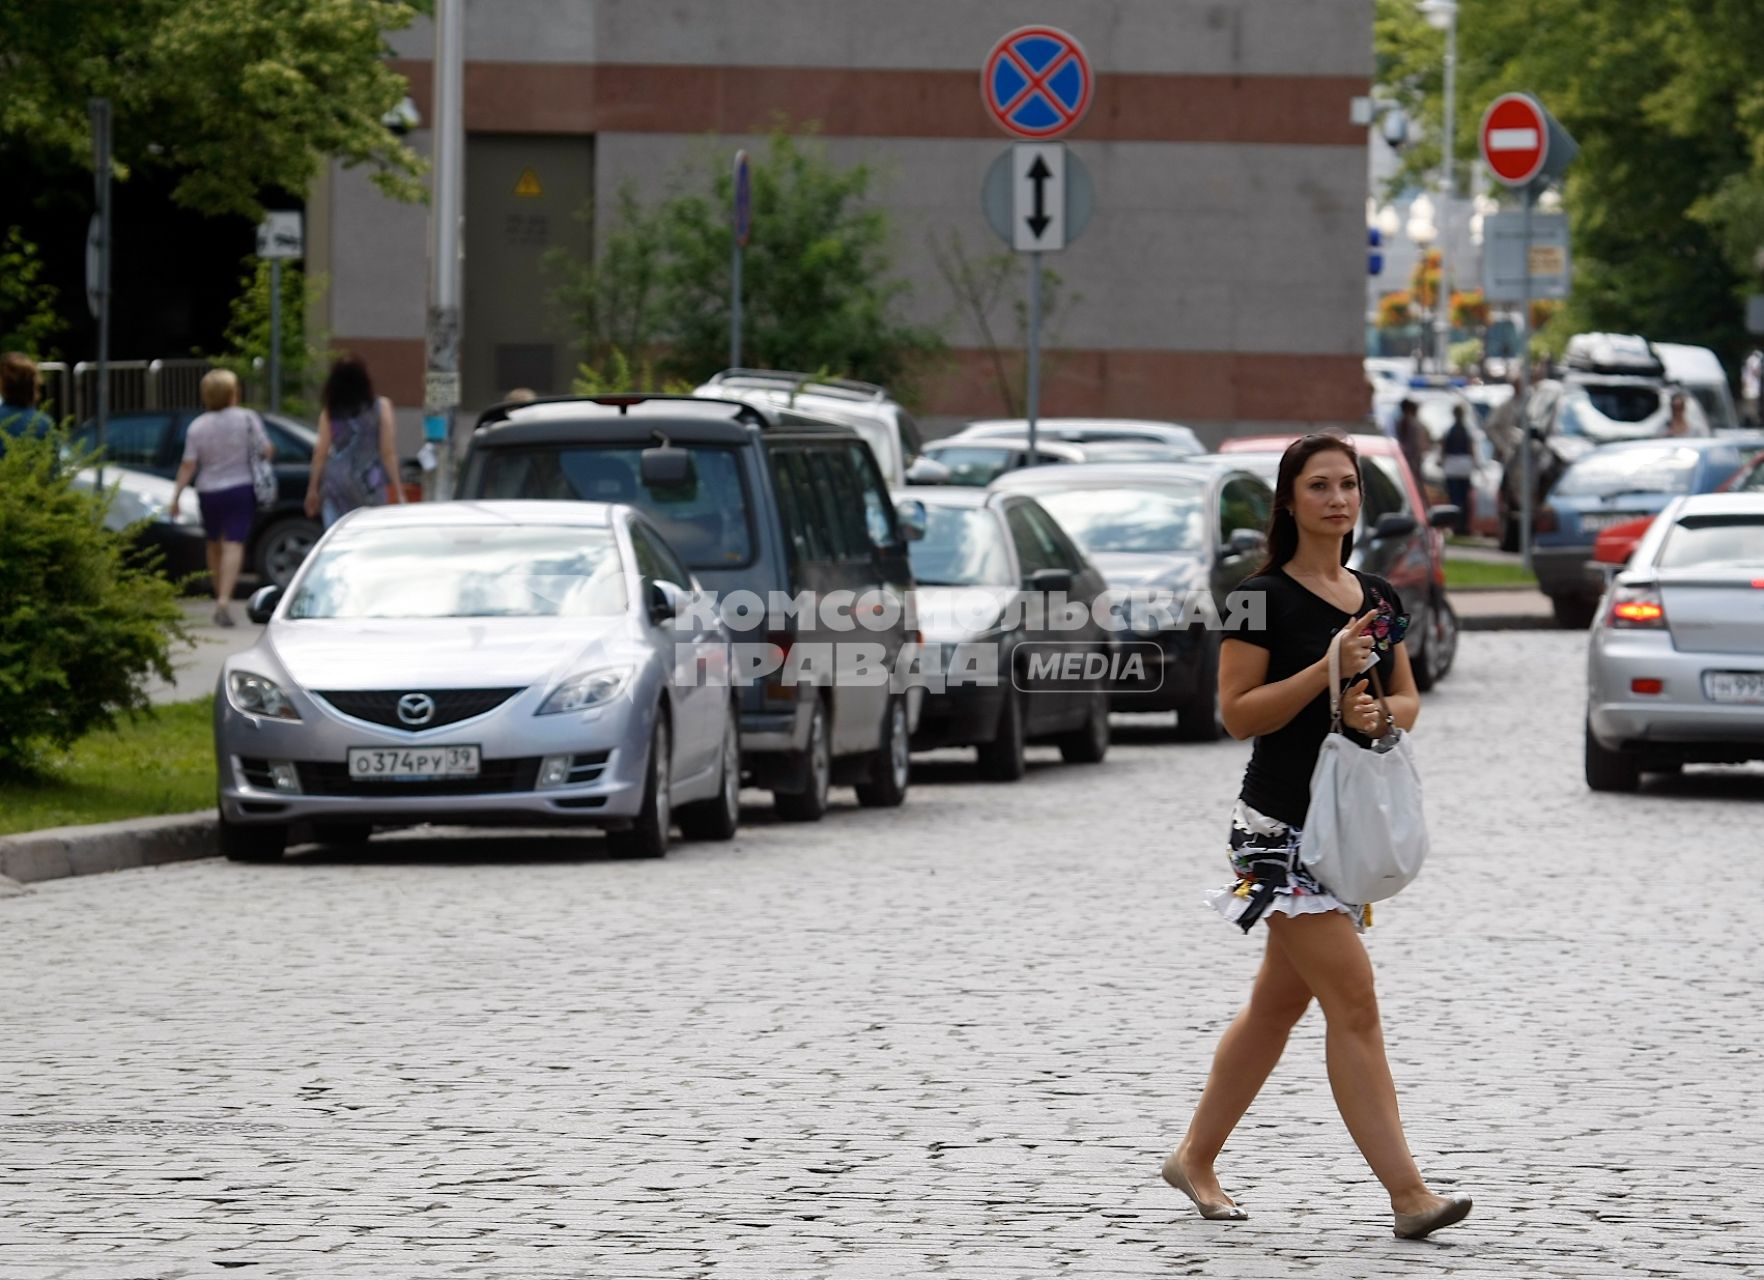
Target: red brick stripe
625,98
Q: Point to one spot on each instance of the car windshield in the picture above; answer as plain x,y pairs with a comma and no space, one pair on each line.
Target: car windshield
705,521
1714,541
519,571
1171,517
962,547
975,465
1604,472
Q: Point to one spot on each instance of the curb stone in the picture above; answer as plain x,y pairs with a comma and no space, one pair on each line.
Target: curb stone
108,846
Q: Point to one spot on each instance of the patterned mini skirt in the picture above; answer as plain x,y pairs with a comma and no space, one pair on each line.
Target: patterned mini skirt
1270,877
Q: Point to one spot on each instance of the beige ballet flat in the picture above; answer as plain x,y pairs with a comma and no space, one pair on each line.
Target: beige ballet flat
1413,1226
1212,1212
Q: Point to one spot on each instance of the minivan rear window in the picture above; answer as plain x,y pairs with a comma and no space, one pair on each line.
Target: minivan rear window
709,525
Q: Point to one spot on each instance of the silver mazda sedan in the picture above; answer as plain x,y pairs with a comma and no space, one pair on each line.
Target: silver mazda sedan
480,663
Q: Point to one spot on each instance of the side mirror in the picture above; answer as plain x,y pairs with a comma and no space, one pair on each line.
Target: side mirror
910,515
1245,542
927,471
665,467
1393,525
664,600
263,603
1048,580
1444,516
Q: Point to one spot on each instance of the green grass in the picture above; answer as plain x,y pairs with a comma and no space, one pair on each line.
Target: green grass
1479,573
160,762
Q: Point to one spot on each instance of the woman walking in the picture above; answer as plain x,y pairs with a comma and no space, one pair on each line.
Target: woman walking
357,453
1457,459
1273,686
217,456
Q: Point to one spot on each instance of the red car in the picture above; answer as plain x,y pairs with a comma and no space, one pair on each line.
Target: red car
1616,544
1400,539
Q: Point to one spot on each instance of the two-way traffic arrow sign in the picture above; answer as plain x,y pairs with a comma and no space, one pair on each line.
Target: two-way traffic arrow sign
1038,197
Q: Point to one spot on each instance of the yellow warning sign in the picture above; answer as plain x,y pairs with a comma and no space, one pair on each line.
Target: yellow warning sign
529,184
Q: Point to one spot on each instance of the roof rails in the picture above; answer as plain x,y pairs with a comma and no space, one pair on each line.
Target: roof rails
742,411
795,384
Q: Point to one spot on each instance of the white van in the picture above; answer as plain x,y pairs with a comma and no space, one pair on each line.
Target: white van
1699,372
886,427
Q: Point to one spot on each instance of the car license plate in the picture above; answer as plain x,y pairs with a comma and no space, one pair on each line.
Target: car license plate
412,764
1606,520
1734,686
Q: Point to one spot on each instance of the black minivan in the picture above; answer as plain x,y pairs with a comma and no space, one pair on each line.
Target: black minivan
760,500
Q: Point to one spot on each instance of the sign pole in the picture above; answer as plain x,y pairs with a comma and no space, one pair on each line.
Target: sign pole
743,227
1525,454
1034,406
735,309
100,110
441,342
275,341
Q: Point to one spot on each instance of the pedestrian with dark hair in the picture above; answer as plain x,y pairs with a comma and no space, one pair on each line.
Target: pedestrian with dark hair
1274,687
20,389
1411,436
1457,460
357,453
217,456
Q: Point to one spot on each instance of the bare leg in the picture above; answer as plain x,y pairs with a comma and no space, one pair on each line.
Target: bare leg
1247,1052
232,557
214,568
1329,955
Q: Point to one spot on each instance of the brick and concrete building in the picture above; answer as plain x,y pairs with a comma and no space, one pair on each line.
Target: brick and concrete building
1223,278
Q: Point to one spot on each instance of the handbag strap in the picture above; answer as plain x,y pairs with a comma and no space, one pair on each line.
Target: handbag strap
1335,685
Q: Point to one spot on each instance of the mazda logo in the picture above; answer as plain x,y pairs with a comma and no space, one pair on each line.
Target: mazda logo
416,708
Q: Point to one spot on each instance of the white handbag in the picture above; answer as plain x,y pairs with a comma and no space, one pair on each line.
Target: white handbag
1365,836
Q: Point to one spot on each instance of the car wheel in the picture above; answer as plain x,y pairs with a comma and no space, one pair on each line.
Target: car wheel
891,770
281,548
1001,760
342,833
1609,770
810,804
1089,743
1197,720
242,842
647,836
1575,613
720,816
1438,646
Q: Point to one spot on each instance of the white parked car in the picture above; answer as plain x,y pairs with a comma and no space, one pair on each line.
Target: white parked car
1675,665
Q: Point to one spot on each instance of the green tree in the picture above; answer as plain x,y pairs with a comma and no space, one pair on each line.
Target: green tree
819,289
1666,199
234,97
248,334
27,305
83,626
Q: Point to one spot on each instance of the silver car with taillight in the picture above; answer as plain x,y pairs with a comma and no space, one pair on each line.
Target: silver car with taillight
480,663
1675,667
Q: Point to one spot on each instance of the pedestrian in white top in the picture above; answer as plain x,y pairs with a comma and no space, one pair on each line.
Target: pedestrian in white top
217,455
1751,386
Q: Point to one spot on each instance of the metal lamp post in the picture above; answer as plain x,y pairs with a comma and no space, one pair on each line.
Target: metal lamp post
1442,15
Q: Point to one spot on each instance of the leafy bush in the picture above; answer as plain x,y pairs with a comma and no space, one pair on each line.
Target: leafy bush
81,625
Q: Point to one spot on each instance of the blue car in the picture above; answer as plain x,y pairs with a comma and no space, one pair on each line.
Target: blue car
1612,485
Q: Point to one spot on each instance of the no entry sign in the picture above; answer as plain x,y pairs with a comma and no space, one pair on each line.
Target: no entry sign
1516,138
1037,83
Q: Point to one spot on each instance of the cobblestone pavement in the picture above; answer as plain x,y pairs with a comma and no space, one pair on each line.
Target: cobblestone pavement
953,1040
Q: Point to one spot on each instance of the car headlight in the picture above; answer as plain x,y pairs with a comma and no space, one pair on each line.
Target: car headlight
590,689
256,695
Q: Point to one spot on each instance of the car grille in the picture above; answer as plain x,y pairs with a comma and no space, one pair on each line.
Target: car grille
381,706
495,777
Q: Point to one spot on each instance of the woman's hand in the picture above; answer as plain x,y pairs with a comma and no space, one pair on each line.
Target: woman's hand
312,505
1357,644
1360,711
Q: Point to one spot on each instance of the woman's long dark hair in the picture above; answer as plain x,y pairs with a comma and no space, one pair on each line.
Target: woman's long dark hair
348,390
1283,532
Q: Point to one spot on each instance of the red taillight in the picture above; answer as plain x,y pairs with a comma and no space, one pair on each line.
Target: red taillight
1647,686
1758,583
776,689
1546,521
1637,607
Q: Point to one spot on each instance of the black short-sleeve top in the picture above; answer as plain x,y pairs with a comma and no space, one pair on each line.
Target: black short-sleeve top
1298,626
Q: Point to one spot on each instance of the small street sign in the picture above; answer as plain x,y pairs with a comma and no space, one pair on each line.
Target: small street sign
1037,83
281,235
440,389
1009,197
743,199
528,184
1504,256
1523,144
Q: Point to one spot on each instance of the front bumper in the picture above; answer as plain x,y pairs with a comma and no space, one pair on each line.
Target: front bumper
608,747
1679,722
959,715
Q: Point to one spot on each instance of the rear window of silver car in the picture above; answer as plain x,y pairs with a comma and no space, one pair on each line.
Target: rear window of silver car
706,522
1714,541
519,571
1169,518
1609,471
962,547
